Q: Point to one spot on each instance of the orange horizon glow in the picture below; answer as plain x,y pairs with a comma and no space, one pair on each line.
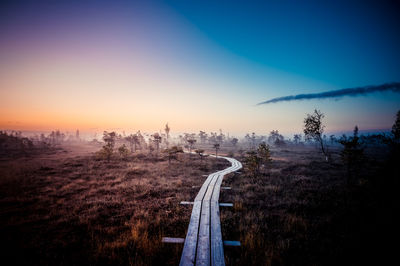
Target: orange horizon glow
137,68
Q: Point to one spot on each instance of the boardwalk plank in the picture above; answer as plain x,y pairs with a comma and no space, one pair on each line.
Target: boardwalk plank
203,243
189,249
217,249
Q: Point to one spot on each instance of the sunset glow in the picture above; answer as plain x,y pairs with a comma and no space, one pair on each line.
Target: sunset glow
96,66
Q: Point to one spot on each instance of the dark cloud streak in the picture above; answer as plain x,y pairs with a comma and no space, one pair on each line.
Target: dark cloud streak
394,87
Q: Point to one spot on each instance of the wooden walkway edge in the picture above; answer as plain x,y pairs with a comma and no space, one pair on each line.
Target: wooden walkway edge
203,242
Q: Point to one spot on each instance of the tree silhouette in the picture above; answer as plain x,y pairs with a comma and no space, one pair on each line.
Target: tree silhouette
234,142
396,128
264,153
216,147
255,159
191,143
172,153
221,137
297,138
352,153
167,130
252,162
131,141
156,140
276,138
203,137
394,144
109,139
123,151
313,129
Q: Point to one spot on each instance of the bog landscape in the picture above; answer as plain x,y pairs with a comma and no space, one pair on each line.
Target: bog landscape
199,133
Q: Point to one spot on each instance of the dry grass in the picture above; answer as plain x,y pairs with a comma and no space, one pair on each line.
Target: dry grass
301,212
69,210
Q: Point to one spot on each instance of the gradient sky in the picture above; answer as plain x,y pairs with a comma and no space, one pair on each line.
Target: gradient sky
199,65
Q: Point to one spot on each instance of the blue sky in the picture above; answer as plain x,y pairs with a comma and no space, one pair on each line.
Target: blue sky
344,43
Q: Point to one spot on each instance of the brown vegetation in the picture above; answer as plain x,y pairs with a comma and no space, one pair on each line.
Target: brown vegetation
301,211
81,210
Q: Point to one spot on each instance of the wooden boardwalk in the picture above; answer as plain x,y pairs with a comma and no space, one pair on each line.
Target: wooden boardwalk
203,242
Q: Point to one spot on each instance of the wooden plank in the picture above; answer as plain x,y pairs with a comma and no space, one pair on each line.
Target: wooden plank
204,188
216,189
203,245
174,240
189,249
217,249
186,202
232,243
222,204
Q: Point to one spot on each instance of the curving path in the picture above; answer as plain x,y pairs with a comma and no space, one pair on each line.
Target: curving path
203,242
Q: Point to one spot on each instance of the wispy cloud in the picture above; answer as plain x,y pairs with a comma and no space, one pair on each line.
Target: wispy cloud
394,87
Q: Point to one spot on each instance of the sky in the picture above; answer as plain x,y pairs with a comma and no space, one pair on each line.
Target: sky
198,65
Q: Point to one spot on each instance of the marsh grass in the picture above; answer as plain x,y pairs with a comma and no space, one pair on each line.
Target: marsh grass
300,211
70,208
78,210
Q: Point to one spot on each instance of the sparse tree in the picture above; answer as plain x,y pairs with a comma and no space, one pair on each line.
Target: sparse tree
221,137
264,153
276,138
252,163
234,142
191,143
131,141
352,153
255,159
212,138
216,147
396,128
297,138
172,153
108,149
253,140
139,141
203,137
123,151
167,130
313,130
393,143
156,140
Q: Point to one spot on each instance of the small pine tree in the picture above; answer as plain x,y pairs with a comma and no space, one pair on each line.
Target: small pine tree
108,149
172,153
252,163
396,128
264,153
123,151
352,154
